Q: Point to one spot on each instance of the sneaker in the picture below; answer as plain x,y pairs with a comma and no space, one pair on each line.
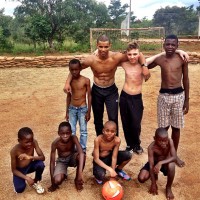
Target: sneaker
123,174
100,182
138,149
129,149
39,189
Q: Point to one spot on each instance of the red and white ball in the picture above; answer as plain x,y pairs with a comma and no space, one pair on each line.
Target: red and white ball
112,190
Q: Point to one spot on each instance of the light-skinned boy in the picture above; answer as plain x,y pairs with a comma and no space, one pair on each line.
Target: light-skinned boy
107,156
78,103
70,154
23,162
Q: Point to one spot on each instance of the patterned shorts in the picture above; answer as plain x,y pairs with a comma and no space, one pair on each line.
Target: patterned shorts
170,110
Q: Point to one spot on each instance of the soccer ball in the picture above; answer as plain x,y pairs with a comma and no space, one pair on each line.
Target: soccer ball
112,190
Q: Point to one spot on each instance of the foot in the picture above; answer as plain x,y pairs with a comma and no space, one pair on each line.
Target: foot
38,188
129,149
138,150
100,182
78,184
123,174
179,162
169,194
53,188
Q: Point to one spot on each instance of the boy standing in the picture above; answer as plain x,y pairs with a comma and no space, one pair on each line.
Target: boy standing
23,162
70,154
131,104
77,108
173,99
107,155
162,157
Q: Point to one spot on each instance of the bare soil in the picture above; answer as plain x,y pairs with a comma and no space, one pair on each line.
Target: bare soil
34,97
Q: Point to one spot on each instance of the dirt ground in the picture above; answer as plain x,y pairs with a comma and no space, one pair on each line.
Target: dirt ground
34,97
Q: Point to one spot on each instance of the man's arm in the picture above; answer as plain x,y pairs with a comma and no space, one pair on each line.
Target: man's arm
67,87
186,88
68,100
89,99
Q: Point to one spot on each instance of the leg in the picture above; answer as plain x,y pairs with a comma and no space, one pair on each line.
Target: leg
175,138
73,118
98,109
143,176
170,178
125,118
83,127
111,101
19,184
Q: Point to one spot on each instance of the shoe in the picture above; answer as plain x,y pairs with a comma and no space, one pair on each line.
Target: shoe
138,149
123,174
39,189
100,182
129,149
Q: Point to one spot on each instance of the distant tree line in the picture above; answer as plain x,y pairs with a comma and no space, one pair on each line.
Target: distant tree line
41,22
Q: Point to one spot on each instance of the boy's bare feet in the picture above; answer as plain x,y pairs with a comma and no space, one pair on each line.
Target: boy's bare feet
169,193
53,188
78,184
179,162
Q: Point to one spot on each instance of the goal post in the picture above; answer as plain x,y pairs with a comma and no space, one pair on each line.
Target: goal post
151,37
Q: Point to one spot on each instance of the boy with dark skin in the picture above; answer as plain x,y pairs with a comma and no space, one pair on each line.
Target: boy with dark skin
161,157
23,161
103,65
78,104
65,146
173,100
107,156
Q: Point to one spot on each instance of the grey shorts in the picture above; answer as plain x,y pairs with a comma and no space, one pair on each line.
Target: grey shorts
63,163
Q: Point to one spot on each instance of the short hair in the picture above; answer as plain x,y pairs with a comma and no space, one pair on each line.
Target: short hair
161,132
62,124
132,45
103,38
172,36
110,123
23,132
75,61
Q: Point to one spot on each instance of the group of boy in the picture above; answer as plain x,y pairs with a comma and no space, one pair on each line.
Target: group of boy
106,154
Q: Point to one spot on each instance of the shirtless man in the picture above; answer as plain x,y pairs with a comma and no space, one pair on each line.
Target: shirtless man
161,157
131,104
107,156
173,99
104,65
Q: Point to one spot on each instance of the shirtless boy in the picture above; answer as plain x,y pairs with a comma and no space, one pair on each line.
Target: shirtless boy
103,65
131,104
23,162
173,99
161,157
107,156
78,104
65,146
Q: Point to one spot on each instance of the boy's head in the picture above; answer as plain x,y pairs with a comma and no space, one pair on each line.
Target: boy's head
103,46
75,68
133,52
161,138
25,137
64,131
170,44
109,130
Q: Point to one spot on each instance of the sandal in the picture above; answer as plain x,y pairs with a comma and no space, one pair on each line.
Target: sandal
100,182
123,174
39,189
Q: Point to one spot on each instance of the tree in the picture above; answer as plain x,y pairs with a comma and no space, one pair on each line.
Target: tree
176,20
117,12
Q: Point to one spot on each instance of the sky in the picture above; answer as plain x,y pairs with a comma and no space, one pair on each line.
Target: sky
140,8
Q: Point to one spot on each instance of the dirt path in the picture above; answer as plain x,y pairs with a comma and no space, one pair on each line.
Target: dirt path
34,98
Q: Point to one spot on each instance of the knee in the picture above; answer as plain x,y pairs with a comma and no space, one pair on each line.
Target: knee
58,180
40,165
171,166
20,188
142,177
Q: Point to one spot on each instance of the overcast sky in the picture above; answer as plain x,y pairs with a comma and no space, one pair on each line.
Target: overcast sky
141,8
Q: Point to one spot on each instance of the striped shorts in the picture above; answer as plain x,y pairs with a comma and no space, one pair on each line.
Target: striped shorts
170,110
